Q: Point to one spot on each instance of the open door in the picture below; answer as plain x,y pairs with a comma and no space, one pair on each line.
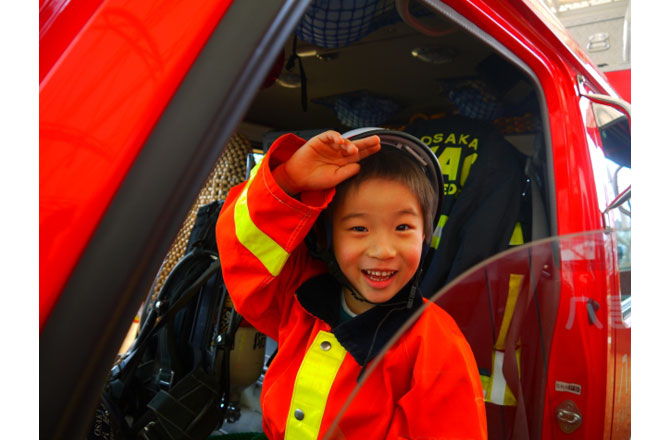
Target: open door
511,326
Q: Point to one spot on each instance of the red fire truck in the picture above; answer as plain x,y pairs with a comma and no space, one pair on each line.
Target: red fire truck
138,101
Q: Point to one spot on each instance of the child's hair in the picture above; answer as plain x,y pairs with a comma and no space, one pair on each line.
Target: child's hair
392,164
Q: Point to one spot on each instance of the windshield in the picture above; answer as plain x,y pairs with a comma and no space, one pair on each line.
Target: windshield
542,321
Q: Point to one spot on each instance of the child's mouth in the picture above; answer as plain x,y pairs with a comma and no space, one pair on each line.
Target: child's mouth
379,276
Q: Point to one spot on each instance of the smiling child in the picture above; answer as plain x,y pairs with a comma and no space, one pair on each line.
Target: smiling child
370,202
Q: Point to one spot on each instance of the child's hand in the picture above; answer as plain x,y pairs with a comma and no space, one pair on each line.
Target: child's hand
323,162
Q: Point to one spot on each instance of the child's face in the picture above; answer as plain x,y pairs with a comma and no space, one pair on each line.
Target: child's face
377,239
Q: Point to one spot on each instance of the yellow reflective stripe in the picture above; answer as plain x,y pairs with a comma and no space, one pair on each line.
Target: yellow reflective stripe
512,295
268,251
486,384
517,235
312,386
497,386
498,392
437,233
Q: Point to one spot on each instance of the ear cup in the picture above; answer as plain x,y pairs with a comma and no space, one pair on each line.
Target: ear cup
319,238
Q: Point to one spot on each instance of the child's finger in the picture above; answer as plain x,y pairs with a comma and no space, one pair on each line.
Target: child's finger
332,139
367,141
349,148
336,138
368,146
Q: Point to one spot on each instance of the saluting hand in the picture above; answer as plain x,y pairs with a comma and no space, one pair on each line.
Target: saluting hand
323,162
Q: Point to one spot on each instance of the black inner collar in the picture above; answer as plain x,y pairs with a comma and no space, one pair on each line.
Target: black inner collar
320,297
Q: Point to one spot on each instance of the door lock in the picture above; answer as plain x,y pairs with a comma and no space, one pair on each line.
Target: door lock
568,416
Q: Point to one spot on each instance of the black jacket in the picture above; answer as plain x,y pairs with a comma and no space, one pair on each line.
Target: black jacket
484,181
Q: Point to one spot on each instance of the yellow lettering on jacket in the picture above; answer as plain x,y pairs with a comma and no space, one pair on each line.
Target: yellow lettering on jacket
449,160
467,164
450,189
451,139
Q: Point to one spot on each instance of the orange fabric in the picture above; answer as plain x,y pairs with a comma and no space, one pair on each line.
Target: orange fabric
426,386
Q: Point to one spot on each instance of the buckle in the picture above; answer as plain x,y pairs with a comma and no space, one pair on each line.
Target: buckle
165,378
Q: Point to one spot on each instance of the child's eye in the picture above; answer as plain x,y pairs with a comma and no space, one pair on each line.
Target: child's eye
403,227
358,228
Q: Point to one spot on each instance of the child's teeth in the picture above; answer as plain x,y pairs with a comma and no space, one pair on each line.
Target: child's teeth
379,273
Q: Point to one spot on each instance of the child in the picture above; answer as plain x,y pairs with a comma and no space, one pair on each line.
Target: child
331,315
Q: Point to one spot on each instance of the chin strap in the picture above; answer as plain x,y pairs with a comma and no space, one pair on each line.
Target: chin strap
374,338
415,286
335,271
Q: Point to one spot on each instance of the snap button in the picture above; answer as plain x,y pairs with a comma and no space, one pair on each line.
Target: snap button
325,346
299,414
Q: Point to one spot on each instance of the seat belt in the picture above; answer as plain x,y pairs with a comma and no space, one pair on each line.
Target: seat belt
510,363
495,386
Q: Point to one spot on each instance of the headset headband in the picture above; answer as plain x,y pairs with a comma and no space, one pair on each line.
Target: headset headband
415,149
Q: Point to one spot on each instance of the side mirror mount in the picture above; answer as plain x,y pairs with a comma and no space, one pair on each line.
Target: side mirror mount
618,103
618,202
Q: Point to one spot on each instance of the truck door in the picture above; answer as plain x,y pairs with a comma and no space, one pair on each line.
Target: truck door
134,109
609,128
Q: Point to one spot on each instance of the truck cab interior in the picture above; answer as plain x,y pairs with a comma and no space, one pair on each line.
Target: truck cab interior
369,67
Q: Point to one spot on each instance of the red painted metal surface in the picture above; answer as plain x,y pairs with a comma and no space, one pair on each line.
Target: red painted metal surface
60,22
583,349
580,349
620,80
621,384
96,110
578,354
616,377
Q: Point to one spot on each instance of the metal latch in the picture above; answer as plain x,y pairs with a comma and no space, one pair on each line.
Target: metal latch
568,416
165,378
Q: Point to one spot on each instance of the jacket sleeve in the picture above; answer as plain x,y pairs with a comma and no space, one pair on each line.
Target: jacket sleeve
445,399
260,234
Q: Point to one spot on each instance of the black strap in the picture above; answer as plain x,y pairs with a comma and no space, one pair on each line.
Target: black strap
303,77
190,410
228,345
126,368
188,294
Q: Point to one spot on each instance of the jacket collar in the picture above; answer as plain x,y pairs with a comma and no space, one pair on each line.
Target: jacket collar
366,334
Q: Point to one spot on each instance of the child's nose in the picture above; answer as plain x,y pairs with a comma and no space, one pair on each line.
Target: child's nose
381,250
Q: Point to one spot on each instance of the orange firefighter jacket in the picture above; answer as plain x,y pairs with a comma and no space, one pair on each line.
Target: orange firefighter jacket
426,386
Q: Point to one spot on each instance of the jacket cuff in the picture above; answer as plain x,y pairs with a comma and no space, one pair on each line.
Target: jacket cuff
280,151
